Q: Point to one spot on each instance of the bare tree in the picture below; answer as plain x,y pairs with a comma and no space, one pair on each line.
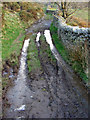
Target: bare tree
66,8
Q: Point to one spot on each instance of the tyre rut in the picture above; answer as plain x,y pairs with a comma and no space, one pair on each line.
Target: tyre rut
66,104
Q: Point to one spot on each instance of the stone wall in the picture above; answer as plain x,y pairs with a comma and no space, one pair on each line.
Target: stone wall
72,34
74,38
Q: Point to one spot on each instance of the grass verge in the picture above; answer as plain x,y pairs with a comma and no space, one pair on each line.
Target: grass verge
48,16
76,66
13,35
12,28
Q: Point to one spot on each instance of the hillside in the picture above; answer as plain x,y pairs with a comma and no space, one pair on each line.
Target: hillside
16,17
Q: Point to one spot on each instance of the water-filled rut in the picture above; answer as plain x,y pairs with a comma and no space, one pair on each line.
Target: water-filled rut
53,91
16,94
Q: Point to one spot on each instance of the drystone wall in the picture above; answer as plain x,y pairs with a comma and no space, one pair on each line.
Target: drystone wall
75,39
71,34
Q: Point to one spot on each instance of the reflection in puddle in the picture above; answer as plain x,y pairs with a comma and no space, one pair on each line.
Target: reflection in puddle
48,38
49,41
16,94
37,38
78,88
21,108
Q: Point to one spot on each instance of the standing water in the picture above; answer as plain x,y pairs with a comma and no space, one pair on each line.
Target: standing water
72,80
17,92
37,39
39,102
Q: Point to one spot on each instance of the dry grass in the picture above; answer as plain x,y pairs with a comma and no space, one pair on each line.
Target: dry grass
75,21
80,18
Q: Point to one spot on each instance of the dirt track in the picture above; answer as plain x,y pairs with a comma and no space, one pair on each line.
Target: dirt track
51,92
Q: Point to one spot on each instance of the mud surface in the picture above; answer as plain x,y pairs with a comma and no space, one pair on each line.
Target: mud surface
53,91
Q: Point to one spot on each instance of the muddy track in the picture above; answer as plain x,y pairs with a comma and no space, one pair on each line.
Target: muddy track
65,97
51,81
51,91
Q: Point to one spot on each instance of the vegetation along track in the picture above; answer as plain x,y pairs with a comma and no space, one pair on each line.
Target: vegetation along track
51,89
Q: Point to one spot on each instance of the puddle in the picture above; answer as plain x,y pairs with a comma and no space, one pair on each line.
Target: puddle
37,39
5,73
19,94
20,109
49,39
71,77
16,94
24,102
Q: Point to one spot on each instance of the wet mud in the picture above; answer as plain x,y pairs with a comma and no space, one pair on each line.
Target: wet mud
53,91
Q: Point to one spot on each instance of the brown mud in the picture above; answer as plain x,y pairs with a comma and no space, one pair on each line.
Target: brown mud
53,91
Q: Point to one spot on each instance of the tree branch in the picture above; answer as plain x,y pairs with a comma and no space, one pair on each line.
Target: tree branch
71,13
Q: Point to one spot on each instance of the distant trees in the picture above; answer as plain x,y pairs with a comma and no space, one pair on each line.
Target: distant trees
66,8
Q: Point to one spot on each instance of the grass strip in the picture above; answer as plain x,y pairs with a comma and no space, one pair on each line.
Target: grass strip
76,66
33,62
45,50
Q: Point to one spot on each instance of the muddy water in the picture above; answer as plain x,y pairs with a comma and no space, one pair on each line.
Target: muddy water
65,67
37,39
16,94
50,93
72,82
19,95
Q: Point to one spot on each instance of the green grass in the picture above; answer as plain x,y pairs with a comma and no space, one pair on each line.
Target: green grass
48,16
11,46
82,13
11,30
76,66
44,8
33,62
45,48
16,50
12,41
59,45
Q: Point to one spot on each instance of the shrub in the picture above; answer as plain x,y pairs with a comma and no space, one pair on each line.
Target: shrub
77,55
11,5
24,5
24,15
15,6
